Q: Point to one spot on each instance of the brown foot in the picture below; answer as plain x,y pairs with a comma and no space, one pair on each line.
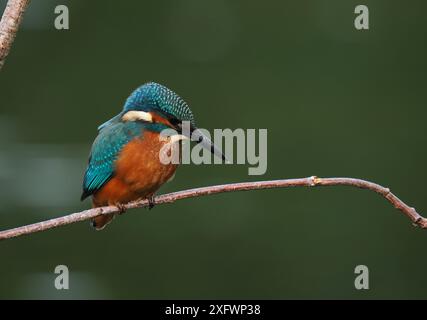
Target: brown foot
121,207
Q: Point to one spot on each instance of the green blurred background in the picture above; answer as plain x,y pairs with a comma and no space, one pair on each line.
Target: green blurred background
336,102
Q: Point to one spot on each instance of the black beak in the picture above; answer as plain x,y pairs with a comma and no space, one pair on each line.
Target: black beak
206,143
198,136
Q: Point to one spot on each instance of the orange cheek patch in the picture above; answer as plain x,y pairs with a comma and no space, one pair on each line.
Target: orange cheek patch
159,119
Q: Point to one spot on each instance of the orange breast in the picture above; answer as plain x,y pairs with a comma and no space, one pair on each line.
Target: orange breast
138,174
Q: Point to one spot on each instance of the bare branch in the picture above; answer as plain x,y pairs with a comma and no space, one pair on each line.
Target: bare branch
410,212
9,25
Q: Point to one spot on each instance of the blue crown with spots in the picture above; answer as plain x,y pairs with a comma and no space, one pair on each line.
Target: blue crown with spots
155,97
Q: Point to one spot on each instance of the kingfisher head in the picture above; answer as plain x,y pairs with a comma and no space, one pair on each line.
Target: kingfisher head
154,103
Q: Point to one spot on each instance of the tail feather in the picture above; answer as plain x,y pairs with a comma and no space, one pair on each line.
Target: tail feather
101,221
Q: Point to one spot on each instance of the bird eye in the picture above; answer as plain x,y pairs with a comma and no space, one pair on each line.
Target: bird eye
177,124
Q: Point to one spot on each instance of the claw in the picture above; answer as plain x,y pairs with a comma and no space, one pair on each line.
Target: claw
121,207
151,202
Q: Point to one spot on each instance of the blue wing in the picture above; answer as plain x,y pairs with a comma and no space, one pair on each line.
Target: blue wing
105,150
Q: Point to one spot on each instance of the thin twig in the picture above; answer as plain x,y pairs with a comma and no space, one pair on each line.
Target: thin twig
9,25
410,212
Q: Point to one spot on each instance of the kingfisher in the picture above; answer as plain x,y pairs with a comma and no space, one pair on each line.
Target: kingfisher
124,162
